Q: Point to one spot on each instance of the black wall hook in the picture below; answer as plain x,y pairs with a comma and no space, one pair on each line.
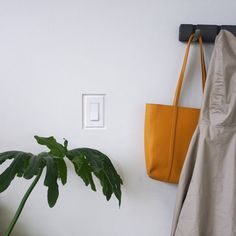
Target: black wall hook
196,35
208,32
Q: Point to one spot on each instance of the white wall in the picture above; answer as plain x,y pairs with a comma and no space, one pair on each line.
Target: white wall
51,52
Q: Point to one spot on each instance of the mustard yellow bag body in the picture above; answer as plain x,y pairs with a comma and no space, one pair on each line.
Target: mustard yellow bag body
169,129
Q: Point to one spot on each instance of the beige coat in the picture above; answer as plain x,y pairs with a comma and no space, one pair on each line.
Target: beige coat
206,198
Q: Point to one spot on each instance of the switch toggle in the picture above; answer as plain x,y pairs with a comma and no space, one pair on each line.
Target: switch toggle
93,110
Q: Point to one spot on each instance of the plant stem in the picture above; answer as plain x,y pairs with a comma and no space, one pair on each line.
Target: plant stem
22,204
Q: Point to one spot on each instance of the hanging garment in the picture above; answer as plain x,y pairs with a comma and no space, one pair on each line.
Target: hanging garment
206,198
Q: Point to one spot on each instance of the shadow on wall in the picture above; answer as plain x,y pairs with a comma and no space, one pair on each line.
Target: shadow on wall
5,217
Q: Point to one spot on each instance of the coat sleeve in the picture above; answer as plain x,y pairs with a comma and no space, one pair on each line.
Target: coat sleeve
185,178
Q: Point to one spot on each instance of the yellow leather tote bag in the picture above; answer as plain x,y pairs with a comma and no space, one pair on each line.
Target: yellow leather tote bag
169,129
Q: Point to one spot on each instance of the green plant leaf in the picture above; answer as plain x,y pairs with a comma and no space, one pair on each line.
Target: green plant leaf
35,165
93,161
17,166
12,154
56,149
83,170
51,179
106,187
62,170
65,143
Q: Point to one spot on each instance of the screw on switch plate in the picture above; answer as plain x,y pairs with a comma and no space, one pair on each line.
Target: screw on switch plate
93,111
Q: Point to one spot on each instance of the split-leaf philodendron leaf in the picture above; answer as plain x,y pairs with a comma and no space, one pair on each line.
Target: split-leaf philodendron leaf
88,163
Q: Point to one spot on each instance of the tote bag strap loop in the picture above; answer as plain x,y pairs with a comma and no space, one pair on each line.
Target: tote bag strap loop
203,66
181,77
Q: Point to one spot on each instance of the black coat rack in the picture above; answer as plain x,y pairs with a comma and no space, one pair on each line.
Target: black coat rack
208,32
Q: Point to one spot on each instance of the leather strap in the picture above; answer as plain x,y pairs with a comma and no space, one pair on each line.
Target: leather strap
181,77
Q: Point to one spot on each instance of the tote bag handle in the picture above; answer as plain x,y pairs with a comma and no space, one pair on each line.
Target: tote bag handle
181,77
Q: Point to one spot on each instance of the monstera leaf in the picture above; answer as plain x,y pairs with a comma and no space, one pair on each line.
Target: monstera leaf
88,163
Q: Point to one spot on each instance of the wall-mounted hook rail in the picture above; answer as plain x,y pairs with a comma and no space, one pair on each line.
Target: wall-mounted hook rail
208,32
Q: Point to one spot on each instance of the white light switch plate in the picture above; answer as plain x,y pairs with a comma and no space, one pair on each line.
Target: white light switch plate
93,110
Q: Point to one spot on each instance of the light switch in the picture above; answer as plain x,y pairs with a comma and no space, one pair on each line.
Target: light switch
93,110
